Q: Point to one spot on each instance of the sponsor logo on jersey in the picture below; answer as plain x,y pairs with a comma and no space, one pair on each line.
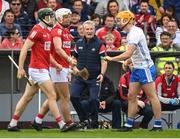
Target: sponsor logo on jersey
66,44
47,46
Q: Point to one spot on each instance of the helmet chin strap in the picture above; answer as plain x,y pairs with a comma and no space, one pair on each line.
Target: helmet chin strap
49,25
65,26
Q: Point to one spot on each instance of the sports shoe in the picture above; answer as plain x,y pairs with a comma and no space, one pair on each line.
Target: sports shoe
69,127
37,126
13,128
83,125
125,129
156,129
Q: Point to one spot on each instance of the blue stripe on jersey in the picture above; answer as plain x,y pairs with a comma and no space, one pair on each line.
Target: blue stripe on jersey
143,53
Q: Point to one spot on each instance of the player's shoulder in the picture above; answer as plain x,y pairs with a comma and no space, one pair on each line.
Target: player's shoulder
38,28
137,30
57,29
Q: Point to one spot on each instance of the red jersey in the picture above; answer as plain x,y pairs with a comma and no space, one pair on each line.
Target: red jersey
167,89
40,50
124,82
108,37
64,34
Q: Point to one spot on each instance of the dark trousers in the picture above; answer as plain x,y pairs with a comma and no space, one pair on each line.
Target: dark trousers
77,89
114,106
146,112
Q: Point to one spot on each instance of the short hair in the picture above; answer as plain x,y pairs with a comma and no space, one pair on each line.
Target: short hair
165,33
15,0
169,63
77,0
89,22
144,1
106,16
48,0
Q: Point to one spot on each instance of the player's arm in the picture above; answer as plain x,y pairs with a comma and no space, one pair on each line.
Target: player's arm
55,63
127,54
102,53
23,54
58,47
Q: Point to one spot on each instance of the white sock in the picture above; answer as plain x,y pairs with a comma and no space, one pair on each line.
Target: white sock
61,124
38,120
13,123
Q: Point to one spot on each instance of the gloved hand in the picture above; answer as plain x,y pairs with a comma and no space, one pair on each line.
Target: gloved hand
174,101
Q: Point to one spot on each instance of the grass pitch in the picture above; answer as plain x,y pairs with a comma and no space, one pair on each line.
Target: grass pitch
55,133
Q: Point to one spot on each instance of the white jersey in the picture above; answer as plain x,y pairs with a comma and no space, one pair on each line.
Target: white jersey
141,57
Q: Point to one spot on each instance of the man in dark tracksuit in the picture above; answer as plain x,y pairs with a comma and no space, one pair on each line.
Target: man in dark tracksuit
88,52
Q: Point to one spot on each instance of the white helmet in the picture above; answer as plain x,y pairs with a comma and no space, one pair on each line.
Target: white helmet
60,13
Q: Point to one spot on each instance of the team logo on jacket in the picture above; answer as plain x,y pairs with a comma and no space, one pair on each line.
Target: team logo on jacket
80,48
93,49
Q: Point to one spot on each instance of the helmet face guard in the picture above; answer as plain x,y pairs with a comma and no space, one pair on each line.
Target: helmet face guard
46,15
124,18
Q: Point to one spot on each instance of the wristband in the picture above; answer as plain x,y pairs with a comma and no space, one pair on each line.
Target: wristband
102,74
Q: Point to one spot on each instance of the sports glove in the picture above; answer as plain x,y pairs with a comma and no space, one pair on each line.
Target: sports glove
174,101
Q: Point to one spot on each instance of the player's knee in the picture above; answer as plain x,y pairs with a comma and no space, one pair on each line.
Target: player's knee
65,96
131,97
52,96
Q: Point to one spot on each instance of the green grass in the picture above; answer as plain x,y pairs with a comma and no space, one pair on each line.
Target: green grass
54,133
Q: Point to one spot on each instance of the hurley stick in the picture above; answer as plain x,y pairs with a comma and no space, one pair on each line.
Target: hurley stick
12,60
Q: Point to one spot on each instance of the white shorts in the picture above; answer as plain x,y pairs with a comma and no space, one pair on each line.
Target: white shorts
59,76
38,75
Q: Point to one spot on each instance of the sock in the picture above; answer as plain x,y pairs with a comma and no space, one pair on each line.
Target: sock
129,122
69,122
60,122
157,123
14,120
39,118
